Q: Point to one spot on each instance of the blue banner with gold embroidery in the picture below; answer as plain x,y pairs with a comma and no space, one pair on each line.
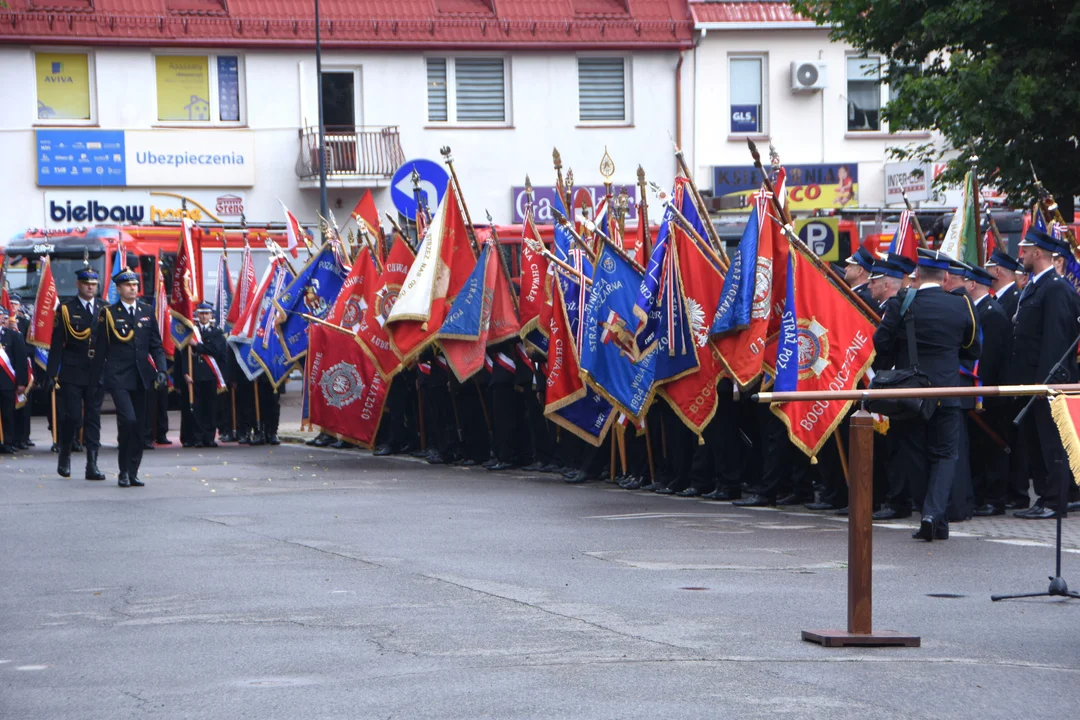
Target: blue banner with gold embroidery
312,292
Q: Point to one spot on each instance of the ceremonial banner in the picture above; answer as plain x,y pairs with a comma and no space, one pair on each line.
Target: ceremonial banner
745,312
161,313
365,212
293,230
41,324
250,326
575,294
312,292
569,403
224,295
904,242
534,275
245,287
359,285
345,393
371,334
960,242
693,396
1071,271
442,265
607,348
825,344
184,295
112,295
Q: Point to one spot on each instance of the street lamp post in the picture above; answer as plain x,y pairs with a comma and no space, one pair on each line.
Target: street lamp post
323,209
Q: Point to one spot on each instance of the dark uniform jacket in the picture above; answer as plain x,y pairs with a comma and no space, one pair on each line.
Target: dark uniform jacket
863,291
1046,324
945,334
15,348
1008,301
133,362
213,346
996,329
67,354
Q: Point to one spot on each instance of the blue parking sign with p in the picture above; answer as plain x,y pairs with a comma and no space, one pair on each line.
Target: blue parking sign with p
820,235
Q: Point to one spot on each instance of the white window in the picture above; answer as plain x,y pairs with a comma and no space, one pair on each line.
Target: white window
199,90
746,75
468,90
864,94
64,87
603,89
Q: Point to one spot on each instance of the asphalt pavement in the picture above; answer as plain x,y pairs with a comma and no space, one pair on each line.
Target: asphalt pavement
291,582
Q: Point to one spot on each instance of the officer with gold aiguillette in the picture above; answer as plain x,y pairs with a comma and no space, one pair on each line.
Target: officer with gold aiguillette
71,353
130,353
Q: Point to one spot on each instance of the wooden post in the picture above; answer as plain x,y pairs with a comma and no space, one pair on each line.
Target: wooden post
860,549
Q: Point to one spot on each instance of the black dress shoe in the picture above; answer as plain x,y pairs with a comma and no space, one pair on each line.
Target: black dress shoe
7,450
927,529
889,513
381,451
1036,512
465,462
63,465
148,446
842,512
210,444
724,494
577,477
821,506
76,446
941,532
1074,505
31,443
989,510
228,437
337,444
795,499
189,444
664,491
166,441
92,472
422,454
502,466
55,448
20,445
490,462
134,480
436,458
122,481
689,492
273,439
550,468
653,486
754,500
533,467
631,483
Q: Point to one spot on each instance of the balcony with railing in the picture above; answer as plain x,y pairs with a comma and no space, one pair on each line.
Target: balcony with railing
355,156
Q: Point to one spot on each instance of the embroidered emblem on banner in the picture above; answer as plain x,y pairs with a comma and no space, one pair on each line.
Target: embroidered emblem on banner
762,289
813,348
384,302
341,385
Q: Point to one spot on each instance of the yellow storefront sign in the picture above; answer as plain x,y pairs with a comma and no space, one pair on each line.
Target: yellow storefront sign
63,86
183,88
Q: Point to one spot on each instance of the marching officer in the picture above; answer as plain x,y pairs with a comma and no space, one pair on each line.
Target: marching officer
923,452
205,375
13,378
128,350
857,272
1044,332
71,354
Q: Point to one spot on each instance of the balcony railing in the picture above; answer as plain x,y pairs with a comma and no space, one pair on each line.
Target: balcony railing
351,152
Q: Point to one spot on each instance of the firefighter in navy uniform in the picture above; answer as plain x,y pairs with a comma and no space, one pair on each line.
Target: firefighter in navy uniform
989,461
925,451
1003,267
13,378
857,271
207,359
128,349
21,322
71,354
1046,325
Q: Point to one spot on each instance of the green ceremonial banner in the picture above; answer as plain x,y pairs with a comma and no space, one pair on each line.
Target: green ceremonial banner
961,240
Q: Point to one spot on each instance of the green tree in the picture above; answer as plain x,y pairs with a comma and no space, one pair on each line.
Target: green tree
999,79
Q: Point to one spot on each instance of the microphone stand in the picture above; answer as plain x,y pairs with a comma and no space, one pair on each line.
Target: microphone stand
1058,587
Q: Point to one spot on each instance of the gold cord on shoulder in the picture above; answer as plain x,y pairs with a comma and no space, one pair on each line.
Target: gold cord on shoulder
114,332
80,335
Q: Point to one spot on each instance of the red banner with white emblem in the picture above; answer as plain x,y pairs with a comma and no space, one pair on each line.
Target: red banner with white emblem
41,327
371,333
346,394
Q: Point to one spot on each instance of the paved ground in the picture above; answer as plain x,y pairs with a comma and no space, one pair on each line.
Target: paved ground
291,582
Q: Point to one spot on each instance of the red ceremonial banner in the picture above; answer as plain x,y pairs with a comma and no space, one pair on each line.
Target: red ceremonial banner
836,348
371,333
41,328
346,394
352,301
1066,412
693,396
534,276
564,383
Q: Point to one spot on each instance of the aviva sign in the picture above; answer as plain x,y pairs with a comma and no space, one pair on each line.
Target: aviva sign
63,86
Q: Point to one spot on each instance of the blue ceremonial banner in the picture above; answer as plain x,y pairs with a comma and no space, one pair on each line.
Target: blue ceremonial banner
312,292
575,294
243,348
224,295
787,349
267,349
465,318
607,348
738,298
590,416
113,295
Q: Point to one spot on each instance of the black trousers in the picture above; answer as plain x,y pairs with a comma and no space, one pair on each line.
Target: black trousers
79,406
130,421
22,421
157,413
926,455
507,415
204,410
245,405
7,417
1048,465
400,420
269,405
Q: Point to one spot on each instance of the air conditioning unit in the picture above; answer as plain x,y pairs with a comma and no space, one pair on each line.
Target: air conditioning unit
808,76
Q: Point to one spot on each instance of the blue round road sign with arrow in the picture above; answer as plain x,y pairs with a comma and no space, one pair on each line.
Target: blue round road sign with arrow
433,181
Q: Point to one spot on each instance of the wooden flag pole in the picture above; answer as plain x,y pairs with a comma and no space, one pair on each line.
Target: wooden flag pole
53,400
699,203
449,160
